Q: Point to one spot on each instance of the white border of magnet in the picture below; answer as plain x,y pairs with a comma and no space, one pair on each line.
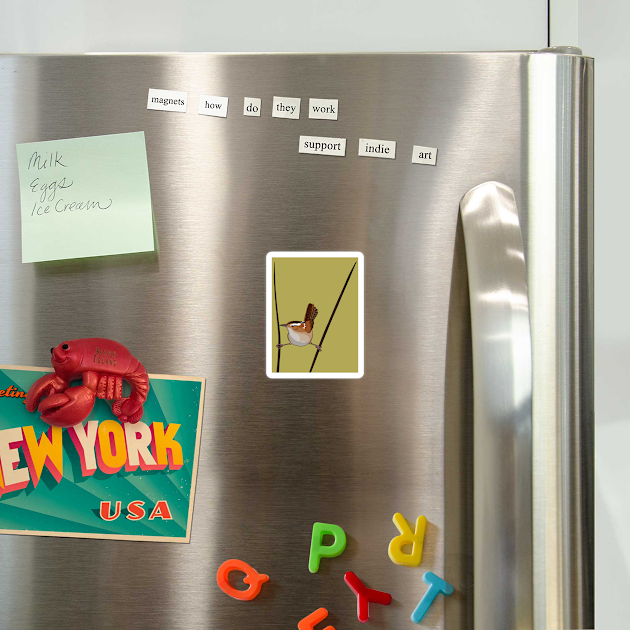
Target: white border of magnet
269,310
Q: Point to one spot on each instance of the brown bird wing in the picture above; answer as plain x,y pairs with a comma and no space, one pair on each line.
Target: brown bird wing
311,313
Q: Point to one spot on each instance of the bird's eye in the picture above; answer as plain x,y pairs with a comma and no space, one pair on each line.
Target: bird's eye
65,346
51,350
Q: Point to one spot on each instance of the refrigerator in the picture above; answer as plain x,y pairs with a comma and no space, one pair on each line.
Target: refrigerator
469,399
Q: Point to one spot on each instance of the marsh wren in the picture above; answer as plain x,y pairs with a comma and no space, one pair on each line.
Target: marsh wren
301,333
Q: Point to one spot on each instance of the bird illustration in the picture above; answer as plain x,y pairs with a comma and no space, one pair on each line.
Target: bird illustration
301,333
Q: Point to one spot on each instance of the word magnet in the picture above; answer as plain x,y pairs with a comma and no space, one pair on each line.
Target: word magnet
323,108
252,577
167,100
407,537
285,107
213,105
377,148
365,596
424,155
319,550
251,106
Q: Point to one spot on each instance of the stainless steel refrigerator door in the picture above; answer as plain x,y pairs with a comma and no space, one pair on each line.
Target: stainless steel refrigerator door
277,456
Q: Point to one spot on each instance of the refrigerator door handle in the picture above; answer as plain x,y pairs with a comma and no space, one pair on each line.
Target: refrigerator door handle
502,374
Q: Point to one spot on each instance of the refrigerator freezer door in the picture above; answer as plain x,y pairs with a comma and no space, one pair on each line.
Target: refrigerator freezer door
278,455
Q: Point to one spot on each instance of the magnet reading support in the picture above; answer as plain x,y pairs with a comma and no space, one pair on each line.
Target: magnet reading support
407,537
252,577
319,551
365,596
436,586
308,623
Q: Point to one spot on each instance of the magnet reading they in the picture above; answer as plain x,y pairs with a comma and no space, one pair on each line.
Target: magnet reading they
252,577
407,537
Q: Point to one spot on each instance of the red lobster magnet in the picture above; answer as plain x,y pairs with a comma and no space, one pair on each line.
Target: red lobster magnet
102,364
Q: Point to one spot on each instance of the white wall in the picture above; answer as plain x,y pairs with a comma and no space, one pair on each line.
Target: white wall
603,28
283,25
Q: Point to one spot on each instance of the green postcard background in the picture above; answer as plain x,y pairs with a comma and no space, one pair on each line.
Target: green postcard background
72,505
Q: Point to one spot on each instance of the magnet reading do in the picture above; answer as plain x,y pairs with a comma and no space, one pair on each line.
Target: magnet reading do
251,106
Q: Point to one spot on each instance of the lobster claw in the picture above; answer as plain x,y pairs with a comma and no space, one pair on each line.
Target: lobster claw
43,386
68,408
127,410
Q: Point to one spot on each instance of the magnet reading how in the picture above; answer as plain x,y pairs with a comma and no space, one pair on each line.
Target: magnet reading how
252,577
213,105
319,550
407,537
377,148
285,107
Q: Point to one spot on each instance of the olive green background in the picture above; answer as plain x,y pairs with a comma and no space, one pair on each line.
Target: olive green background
320,281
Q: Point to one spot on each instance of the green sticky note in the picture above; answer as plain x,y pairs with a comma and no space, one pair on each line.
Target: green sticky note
85,197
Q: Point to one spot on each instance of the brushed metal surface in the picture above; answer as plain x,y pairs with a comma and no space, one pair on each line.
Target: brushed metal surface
502,372
275,455
560,274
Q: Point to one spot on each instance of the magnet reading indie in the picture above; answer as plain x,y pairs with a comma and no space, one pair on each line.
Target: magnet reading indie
107,446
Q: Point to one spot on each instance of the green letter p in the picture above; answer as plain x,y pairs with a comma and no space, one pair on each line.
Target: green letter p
319,551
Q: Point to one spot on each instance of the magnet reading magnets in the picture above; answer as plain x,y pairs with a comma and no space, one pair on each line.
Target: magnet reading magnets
102,364
252,577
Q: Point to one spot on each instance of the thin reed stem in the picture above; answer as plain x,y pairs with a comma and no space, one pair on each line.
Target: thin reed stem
331,316
277,319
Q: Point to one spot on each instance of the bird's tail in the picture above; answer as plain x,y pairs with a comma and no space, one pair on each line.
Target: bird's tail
311,313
